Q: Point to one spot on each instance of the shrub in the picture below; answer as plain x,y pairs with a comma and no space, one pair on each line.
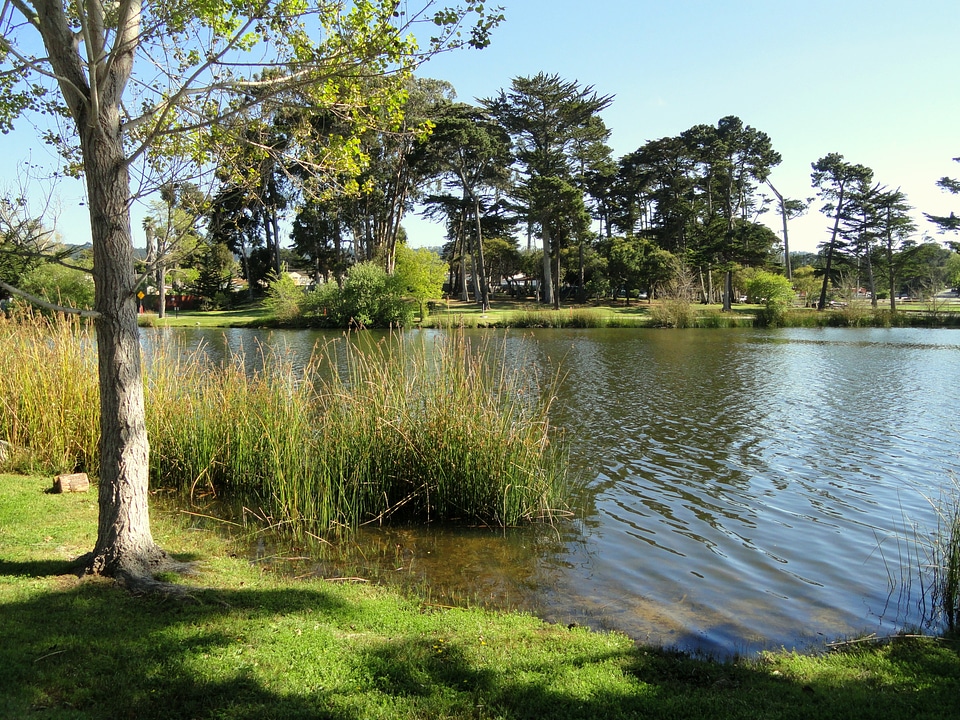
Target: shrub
366,299
61,285
672,313
776,294
284,298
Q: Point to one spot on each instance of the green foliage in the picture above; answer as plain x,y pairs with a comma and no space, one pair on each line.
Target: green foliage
774,291
64,286
947,223
284,299
23,239
215,272
806,283
952,270
419,274
369,298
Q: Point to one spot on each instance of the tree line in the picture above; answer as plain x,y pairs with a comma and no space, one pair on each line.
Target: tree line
679,215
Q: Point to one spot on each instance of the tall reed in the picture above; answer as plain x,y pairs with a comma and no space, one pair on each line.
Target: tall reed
673,313
49,399
945,559
565,318
433,430
427,431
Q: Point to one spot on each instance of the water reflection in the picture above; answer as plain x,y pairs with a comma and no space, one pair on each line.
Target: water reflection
745,488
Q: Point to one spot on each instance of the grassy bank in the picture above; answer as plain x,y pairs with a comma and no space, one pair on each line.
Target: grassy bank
253,644
513,314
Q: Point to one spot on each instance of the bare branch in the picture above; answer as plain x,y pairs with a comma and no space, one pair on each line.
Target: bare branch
40,302
161,113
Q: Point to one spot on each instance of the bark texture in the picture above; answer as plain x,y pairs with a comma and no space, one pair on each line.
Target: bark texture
124,541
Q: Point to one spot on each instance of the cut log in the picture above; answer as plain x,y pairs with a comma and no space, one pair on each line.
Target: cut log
71,482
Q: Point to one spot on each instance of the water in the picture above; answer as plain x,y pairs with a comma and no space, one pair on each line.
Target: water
745,488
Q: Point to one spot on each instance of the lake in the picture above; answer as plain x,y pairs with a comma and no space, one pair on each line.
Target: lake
744,488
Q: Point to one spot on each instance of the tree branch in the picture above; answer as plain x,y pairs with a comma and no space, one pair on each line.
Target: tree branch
48,305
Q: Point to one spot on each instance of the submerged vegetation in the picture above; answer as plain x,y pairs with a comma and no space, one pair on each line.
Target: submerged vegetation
368,431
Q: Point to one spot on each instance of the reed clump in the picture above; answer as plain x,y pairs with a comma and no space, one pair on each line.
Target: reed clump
49,398
673,313
424,429
430,429
944,563
720,319
566,318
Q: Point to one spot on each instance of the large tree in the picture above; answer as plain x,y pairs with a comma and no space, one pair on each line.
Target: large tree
137,81
895,228
947,223
556,127
470,153
732,158
836,182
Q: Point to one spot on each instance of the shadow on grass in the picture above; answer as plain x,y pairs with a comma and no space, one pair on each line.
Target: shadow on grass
95,650
92,650
38,568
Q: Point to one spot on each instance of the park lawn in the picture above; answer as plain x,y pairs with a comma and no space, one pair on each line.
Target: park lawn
250,643
503,313
247,316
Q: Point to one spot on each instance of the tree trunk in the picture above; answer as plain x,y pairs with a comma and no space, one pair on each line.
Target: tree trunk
275,222
484,284
556,281
547,297
786,240
822,303
871,280
462,244
581,279
124,546
162,291
891,276
891,268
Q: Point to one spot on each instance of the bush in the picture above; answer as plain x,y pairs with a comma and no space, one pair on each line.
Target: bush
284,299
672,313
60,285
366,300
771,316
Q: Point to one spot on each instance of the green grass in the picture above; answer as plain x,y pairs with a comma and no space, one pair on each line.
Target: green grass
252,643
244,317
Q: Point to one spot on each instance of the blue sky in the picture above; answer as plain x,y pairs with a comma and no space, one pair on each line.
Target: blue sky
878,82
